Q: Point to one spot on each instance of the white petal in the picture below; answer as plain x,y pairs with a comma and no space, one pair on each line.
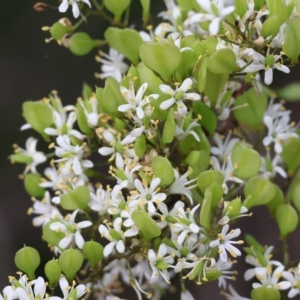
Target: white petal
75,10
120,246
63,6
79,240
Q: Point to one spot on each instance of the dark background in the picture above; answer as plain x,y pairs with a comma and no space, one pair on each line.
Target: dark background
29,70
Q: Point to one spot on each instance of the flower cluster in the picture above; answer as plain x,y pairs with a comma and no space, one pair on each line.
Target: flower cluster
148,175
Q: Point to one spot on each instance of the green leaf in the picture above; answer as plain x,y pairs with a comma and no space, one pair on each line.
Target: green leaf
264,293
116,7
38,115
291,154
205,214
81,43
245,160
207,178
291,45
169,128
27,260
290,92
258,191
296,195
208,119
52,237
241,7
146,224
93,252
250,108
146,8
202,74
286,218
82,121
78,198
200,165
32,185
162,57
87,91
70,262
126,41
216,194
163,169
140,145
271,26
214,85
112,96
276,200
222,61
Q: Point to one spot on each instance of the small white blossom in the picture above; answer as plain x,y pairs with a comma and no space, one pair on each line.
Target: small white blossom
71,230
225,243
113,65
75,9
293,276
178,95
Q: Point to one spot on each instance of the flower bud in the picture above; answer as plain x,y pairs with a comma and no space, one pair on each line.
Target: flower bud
53,272
27,260
59,30
81,43
32,185
93,252
70,262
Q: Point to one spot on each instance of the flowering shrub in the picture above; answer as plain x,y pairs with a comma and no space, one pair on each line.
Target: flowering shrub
191,138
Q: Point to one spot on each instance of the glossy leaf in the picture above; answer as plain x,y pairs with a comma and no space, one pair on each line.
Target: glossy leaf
112,96
208,118
163,169
169,128
245,160
258,191
146,224
207,178
38,115
161,57
78,198
125,41
250,108
286,218
222,61
291,34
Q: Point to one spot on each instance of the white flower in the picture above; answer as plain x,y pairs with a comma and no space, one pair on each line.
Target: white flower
22,289
45,209
136,102
98,200
224,242
115,237
75,9
147,195
268,63
159,263
224,146
71,157
269,279
71,229
215,11
118,147
55,182
254,261
180,185
32,157
113,65
186,295
270,167
279,129
69,292
224,267
181,131
178,95
293,276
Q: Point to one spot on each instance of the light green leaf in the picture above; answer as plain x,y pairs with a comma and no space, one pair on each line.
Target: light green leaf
290,92
78,198
286,218
291,45
205,214
81,43
163,169
207,178
70,262
222,61
291,154
117,7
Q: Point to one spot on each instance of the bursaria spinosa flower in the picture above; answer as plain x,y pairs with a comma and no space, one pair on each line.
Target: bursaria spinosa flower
112,64
29,155
71,230
178,95
225,243
233,294
75,9
23,289
270,279
293,276
70,292
159,263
